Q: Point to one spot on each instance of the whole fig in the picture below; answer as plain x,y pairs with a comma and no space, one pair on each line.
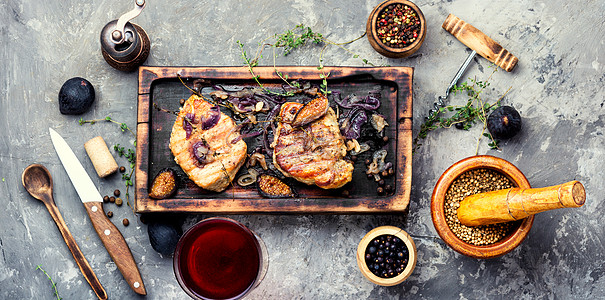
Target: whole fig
504,122
76,96
163,236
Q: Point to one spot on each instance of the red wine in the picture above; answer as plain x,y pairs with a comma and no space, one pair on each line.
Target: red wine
218,259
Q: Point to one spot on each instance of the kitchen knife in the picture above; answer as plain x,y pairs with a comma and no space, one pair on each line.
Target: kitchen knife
93,202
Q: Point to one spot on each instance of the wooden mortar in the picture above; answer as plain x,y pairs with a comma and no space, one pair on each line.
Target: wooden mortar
518,203
506,244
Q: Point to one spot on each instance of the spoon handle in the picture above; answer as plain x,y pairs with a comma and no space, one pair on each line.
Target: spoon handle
75,251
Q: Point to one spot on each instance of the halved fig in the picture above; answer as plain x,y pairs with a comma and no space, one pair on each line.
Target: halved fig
311,111
164,184
270,186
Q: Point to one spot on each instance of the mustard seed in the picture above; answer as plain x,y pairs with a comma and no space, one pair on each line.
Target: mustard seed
125,222
470,183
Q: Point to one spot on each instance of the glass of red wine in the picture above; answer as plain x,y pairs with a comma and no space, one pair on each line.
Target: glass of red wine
219,258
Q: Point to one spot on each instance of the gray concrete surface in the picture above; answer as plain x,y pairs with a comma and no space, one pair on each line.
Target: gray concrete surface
557,87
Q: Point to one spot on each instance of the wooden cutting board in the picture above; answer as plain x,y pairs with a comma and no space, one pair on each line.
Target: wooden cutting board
161,87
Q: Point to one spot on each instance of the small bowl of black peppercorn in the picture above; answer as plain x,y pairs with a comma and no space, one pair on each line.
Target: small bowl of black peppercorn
396,28
386,255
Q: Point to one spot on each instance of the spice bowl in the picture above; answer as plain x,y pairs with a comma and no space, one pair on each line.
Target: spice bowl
516,231
397,241
396,29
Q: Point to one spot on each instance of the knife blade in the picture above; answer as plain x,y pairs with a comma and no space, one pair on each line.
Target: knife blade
93,202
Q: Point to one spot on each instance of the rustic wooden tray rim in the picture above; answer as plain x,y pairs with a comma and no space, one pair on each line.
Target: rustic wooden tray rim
388,204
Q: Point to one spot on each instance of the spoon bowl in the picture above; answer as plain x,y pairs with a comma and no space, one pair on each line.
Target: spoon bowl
38,182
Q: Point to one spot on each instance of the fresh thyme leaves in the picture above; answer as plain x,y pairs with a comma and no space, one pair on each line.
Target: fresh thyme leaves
292,39
123,126
476,110
39,267
129,154
288,41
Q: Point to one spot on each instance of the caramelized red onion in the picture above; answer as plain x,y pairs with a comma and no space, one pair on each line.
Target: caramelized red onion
369,102
188,122
211,120
352,120
268,136
206,122
245,100
353,130
201,152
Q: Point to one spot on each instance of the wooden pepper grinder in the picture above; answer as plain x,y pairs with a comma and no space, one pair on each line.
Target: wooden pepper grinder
125,45
516,203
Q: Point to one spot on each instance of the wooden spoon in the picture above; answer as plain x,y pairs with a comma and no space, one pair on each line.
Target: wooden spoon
38,183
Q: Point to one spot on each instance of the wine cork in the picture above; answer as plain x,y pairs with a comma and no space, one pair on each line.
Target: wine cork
103,161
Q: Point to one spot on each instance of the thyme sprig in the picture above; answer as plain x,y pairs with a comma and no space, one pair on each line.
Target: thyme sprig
128,153
123,126
288,41
39,267
476,110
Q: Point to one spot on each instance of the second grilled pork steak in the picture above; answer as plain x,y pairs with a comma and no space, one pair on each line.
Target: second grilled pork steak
313,153
209,152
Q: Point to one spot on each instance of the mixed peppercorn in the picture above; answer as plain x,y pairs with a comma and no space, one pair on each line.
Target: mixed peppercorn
117,201
387,256
398,26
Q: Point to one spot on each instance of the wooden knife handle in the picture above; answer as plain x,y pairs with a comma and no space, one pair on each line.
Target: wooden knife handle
83,264
481,43
116,246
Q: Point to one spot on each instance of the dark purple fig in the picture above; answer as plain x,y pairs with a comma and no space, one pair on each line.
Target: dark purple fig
504,122
164,184
163,236
76,96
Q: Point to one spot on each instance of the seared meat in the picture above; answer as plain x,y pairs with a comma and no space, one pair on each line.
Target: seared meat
313,153
206,154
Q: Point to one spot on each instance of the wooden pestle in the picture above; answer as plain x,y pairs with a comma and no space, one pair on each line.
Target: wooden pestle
516,203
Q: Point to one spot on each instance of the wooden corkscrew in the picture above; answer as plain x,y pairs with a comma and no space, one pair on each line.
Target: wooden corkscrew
480,44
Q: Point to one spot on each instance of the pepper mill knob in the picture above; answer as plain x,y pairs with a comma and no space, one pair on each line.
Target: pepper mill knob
125,45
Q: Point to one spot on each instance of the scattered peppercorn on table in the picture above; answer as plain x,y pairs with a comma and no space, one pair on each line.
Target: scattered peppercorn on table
556,87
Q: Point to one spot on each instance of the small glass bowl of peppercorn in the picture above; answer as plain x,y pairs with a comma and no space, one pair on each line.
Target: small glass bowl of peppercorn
396,29
474,175
386,255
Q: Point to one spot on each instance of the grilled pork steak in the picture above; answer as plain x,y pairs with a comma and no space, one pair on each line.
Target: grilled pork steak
313,153
201,142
